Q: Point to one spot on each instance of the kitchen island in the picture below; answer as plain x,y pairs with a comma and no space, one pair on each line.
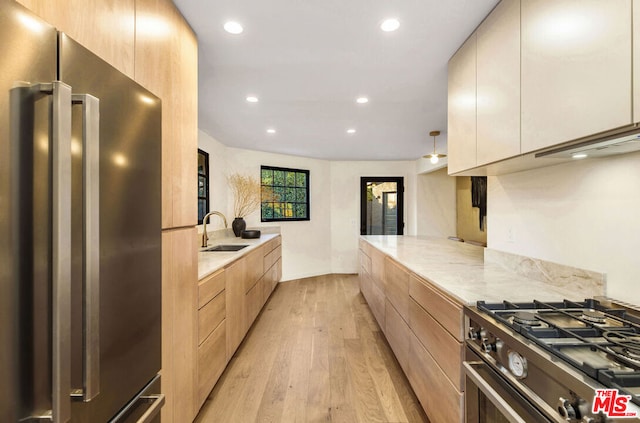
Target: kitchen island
416,288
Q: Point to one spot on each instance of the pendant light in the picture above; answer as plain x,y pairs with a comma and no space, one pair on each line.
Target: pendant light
434,157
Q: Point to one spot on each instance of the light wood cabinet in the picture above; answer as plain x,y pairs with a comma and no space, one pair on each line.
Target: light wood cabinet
179,324
398,334
424,328
212,344
236,305
105,28
498,84
255,268
576,69
442,401
397,287
461,133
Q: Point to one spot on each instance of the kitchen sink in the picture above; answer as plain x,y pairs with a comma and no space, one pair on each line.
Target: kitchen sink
226,247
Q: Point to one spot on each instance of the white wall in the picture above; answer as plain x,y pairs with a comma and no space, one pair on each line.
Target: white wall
345,206
583,214
328,243
436,200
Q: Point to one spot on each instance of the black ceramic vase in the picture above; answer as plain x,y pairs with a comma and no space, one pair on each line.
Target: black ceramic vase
238,225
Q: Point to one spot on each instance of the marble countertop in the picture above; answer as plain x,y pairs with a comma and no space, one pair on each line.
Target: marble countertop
459,270
210,261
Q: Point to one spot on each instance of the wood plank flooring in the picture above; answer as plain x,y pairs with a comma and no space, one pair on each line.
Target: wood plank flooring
314,354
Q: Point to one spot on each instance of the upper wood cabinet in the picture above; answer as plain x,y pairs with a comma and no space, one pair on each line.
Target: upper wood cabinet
167,64
106,28
576,69
462,108
498,79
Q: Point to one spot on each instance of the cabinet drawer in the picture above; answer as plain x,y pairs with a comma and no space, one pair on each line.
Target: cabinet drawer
377,268
397,333
439,398
365,262
444,348
365,247
272,257
396,282
255,268
210,286
212,359
254,303
376,302
448,313
210,316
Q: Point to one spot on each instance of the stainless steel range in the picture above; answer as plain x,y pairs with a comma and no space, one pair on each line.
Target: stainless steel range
552,362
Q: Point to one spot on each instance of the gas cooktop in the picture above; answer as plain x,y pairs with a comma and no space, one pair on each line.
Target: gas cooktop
601,340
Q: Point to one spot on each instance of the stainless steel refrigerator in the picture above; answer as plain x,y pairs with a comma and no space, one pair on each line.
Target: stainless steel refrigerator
80,232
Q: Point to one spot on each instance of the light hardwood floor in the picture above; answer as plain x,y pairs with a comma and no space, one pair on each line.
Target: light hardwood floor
314,354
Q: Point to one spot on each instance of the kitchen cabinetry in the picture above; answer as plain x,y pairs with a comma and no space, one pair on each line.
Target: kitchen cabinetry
498,84
576,69
636,60
179,324
372,282
212,344
425,329
462,108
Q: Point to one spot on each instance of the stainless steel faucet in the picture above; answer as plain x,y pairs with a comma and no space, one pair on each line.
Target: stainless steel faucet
205,238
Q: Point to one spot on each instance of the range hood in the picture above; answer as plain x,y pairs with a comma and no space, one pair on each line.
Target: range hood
620,143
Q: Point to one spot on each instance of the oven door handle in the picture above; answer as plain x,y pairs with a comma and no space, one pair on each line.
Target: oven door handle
490,393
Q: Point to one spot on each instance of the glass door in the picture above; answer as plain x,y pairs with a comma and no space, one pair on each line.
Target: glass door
381,205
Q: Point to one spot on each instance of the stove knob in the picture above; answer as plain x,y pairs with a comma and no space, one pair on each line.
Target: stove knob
475,334
488,346
566,410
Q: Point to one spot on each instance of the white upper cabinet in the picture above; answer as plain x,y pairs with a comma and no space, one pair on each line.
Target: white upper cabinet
498,79
462,108
576,69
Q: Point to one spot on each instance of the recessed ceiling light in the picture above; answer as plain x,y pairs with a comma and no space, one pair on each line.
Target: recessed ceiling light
579,155
351,131
362,100
390,25
252,99
233,27
271,131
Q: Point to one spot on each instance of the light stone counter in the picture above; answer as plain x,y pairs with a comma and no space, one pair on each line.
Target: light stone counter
460,270
210,261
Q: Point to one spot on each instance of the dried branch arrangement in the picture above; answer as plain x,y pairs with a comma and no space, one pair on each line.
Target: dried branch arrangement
246,194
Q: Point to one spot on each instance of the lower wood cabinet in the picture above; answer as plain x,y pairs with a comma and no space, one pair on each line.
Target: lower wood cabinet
424,328
442,401
212,360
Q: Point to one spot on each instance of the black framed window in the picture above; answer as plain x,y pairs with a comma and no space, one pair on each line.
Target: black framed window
285,194
203,185
381,205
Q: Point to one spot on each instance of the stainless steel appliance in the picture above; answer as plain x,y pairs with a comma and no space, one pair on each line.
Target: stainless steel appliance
552,362
80,232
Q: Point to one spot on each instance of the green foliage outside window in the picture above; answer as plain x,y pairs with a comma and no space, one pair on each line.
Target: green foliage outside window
285,194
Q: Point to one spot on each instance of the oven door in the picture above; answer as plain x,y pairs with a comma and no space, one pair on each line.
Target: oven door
490,398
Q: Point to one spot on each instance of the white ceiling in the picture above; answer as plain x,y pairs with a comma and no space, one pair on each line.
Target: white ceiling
308,60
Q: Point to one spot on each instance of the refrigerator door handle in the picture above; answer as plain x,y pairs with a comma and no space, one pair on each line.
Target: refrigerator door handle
61,250
91,242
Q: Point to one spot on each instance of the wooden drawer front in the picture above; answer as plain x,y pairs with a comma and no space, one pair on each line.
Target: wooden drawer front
365,285
398,334
210,286
212,359
396,279
255,268
443,347
440,399
254,303
278,272
365,262
210,316
365,247
377,304
448,313
271,257
377,268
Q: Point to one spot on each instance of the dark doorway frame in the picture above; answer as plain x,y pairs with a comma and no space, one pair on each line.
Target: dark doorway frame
399,180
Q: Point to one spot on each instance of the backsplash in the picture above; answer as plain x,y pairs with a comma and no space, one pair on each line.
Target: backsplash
590,283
